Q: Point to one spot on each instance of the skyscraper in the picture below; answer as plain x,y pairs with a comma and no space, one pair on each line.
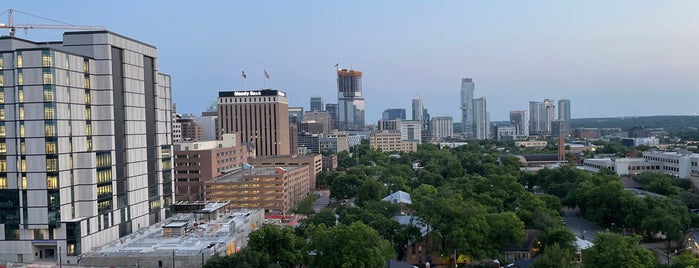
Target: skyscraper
519,120
316,104
418,109
260,116
393,114
541,117
564,110
467,88
332,109
350,102
481,119
85,144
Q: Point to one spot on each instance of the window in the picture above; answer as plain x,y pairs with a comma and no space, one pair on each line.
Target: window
88,129
2,96
22,148
49,94
49,129
3,165
49,112
104,175
52,182
86,66
87,96
3,147
2,131
88,143
21,127
48,77
46,58
3,182
51,164
24,168
20,95
2,113
2,62
51,147
2,80
19,60
86,81
88,113
20,78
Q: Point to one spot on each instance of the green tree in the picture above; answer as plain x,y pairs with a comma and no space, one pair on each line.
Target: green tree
615,250
245,258
370,190
347,246
555,256
324,216
560,236
280,244
684,261
305,207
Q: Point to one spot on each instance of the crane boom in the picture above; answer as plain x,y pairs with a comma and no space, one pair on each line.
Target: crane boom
12,26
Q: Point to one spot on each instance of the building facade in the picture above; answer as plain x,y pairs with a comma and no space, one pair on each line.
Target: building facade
519,120
481,119
85,144
260,116
313,161
564,110
467,88
274,189
321,117
199,162
316,104
332,109
442,127
541,117
418,109
208,121
350,106
411,131
393,114
391,141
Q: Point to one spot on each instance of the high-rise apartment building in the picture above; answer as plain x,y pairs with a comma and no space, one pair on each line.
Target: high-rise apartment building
564,110
418,109
316,104
467,88
481,119
393,114
85,144
442,127
541,117
332,109
519,120
350,102
260,116
411,131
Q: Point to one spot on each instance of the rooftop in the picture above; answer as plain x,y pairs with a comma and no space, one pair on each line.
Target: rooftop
259,171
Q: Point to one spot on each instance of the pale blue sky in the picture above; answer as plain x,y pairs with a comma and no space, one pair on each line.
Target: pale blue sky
611,58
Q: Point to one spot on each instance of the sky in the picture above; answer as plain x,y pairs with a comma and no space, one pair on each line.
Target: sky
610,58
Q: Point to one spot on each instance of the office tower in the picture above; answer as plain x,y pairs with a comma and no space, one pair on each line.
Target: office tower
332,109
260,116
85,139
319,117
418,109
316,104
541,116
481,119
519,120
296,114
393,113
350,102
564,110
442,127
467,88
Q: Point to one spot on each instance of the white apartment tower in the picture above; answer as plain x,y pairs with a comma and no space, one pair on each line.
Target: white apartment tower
85,144
442,127
467,88
481,119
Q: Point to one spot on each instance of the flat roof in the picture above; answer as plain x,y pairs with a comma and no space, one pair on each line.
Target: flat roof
150,241
260,171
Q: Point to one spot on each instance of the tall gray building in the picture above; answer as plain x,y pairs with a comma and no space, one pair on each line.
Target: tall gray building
85,144
519,120
316,104
442,127
541,117
481,119
350,102
564,110
418,109
467,88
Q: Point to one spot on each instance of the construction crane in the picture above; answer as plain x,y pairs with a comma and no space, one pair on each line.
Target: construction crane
12,26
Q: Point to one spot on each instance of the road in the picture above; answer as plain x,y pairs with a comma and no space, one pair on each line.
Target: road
322,201
579,226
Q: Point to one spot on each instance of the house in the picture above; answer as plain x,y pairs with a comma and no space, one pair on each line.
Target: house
525,250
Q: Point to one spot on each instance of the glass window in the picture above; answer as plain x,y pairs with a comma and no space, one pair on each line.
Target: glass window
3,182
20,95
52,182
86,66
46,58
24,167
2,96
49,94
87,97
24,182
86,81
88,113
88,129
3,148
48,77
20,78
3,165
21,129
2,113
21,113
22,148
49,129
51,164
49,112
88,143
2,131
51,147
2,80
2,62
19,60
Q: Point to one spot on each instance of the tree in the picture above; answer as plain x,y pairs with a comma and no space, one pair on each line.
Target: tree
615,250
280,244
555,256
324,216
347,246
305,207
370,190
560,236
684,261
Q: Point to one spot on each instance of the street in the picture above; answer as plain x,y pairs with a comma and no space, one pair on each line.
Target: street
322,201
580,227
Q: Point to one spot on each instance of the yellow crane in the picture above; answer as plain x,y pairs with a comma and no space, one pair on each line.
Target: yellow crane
65,26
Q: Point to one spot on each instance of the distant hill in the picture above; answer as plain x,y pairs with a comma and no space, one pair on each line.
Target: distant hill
671,123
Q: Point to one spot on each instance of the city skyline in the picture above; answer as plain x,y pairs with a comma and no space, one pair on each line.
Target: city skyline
605,57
